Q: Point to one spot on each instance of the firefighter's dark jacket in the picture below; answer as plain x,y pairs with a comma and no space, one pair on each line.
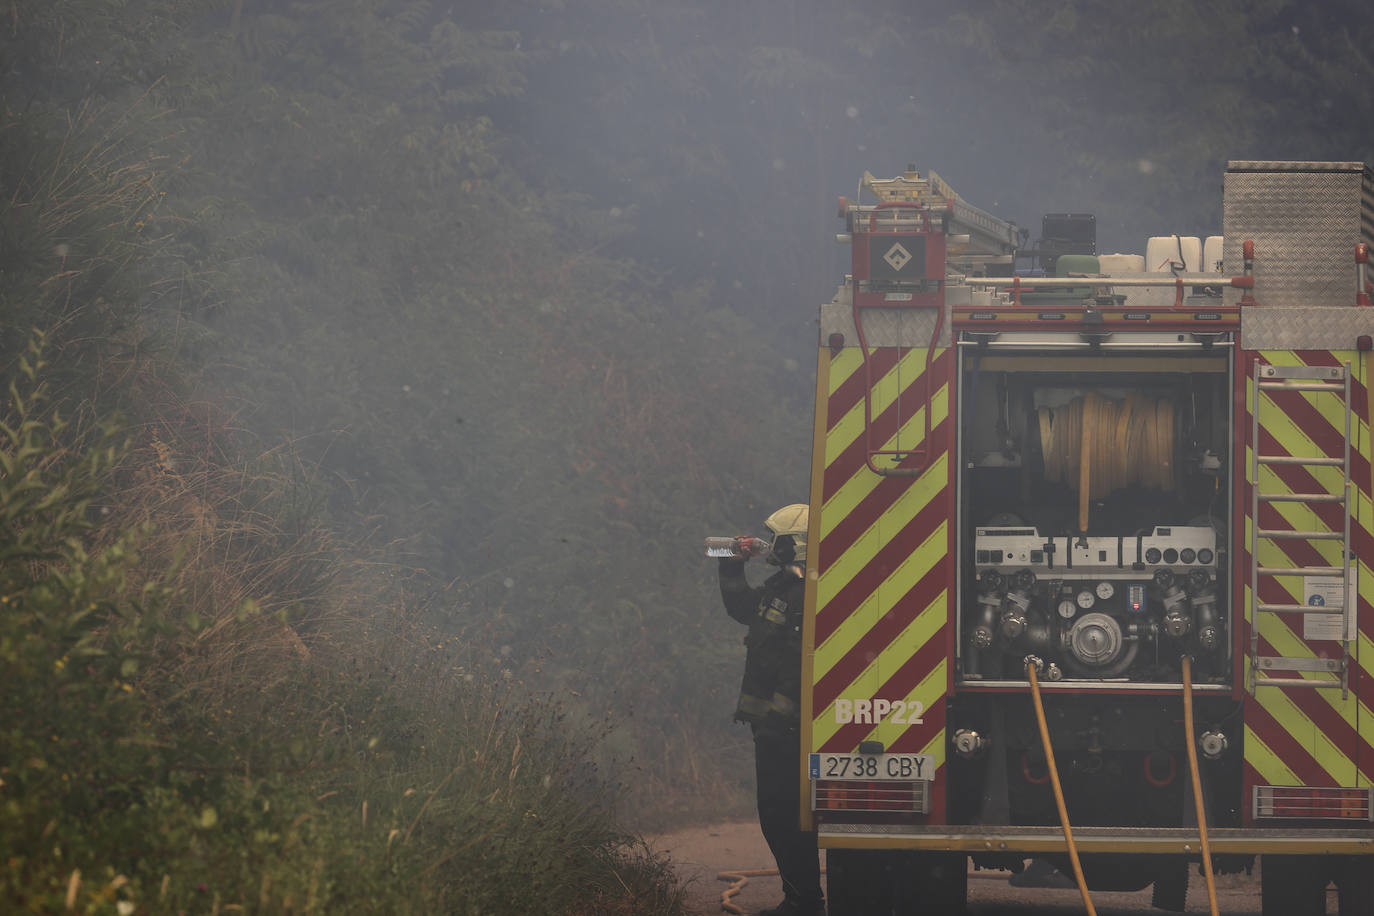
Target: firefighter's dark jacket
770,694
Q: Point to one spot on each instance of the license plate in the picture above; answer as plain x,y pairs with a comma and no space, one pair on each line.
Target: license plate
872,766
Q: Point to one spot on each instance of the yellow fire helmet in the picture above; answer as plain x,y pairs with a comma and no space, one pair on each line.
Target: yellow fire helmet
791,520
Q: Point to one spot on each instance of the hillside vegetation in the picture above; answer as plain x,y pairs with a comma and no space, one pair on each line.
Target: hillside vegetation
211,701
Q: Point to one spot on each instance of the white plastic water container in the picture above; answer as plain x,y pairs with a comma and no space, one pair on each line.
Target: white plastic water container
1114,265
1117,265
1211,255
1162,251
1161,294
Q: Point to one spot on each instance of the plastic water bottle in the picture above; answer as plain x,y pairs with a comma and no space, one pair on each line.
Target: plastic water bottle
741,547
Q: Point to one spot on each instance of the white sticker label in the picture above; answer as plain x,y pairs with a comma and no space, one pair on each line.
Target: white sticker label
1326,591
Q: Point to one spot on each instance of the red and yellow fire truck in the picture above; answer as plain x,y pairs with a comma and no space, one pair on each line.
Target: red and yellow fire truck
1091,545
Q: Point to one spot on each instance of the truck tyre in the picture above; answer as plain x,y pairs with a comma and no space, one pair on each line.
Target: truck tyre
1355,882
1292,885
937,886
1171,886
860,882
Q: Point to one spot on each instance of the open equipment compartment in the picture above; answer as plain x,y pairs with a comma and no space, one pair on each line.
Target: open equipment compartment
1084,464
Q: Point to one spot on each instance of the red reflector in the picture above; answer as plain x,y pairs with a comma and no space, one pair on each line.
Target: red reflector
910,796
1314,803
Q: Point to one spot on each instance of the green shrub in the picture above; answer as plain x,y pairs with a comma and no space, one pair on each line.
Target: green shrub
393,781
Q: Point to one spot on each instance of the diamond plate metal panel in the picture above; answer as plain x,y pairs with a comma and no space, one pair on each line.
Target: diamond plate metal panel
894,327
1305,219
1333,328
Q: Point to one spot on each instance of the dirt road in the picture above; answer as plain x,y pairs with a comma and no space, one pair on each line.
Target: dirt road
702,853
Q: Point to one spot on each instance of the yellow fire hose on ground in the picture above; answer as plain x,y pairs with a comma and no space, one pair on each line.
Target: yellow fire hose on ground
1197,782
1058,789
738,878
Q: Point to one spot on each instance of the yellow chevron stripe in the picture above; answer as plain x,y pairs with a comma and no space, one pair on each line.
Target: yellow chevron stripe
851,426
893,517
846,636
928,692
841,366
1363,647
1285,634
1295,441
898,582
853,490
1272,771
891,520
1332,758
1292,720
1324,403
936,746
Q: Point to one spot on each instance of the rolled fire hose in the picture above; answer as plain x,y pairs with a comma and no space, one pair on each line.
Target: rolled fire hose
1197,782
1097,445
1058,789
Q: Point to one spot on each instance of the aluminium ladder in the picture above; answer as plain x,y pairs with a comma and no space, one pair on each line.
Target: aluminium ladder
1320,380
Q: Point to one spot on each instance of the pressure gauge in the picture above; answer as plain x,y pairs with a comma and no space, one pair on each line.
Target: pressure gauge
1066,609
1085,599
1105,590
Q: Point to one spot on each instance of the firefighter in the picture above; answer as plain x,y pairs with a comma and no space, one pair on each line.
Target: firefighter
769,701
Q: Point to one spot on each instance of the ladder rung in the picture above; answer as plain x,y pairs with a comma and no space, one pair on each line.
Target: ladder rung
1287,663
1301,535
1313,461
1319,609
1296,682
1305,386
1332,571
1318,373
1302,497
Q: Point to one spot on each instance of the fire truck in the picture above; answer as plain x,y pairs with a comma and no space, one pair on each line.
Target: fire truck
1090,550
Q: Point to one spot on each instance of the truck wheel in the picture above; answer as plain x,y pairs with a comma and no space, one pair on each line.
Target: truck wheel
1355,882
1292,885
938,885
860,882
1171,886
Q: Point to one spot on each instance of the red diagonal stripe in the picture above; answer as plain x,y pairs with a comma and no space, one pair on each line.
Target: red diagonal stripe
1297,550
851,390
1325,436
1285,746
881,497
881,634
902,682
887,558
1297,408
1328,721
882,427
1300,480
1302,552
913,739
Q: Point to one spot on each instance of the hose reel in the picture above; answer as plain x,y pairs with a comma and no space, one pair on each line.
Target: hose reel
1098,445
